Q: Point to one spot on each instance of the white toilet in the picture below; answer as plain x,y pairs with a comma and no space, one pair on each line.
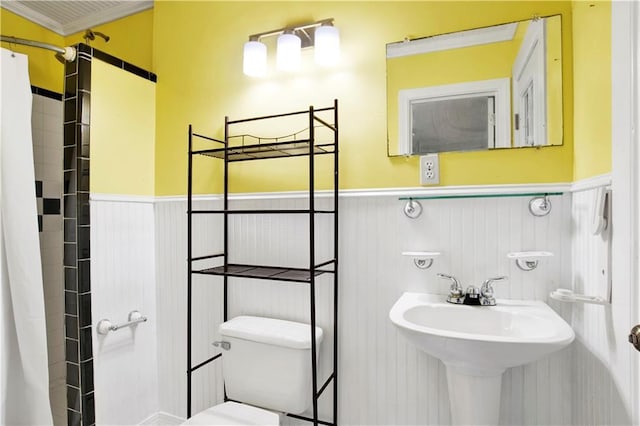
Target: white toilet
268,365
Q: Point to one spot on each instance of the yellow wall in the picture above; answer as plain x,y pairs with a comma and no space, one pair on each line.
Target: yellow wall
131,40
122,131
198,58
592,83
44,69
197,54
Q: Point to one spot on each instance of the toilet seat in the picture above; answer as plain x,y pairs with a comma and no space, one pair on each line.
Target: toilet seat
233,413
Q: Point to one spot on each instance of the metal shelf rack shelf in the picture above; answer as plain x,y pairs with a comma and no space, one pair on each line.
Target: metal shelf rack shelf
244,147
274,273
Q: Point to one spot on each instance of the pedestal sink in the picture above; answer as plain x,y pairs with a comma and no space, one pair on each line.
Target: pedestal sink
477,344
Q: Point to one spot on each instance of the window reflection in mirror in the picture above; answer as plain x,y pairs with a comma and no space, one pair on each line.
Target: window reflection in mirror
421,72
455,117
453,124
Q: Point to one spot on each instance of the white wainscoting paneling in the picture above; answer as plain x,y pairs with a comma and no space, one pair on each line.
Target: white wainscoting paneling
597,396
171,255
383,380
123,278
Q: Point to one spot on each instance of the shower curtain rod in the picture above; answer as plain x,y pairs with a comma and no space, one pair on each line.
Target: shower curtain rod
68,53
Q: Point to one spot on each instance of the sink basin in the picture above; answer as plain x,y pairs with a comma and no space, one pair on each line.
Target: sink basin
480,339
478,343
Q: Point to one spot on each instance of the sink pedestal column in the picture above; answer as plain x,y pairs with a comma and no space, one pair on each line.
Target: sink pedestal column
474,398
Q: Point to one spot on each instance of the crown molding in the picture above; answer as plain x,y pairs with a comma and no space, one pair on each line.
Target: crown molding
26,12
88,21
107,15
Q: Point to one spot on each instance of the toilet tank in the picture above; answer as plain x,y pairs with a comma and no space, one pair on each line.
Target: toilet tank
269,362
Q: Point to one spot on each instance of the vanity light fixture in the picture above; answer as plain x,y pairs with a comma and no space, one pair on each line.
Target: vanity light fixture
321,35
288,54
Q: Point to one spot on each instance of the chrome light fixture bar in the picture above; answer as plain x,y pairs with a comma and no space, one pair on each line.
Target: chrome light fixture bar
320,34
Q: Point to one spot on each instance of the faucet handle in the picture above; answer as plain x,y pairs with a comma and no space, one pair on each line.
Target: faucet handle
487,290
456,288
441,275
488,281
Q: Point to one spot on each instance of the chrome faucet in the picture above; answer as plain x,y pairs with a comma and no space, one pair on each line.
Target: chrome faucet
482,296
455,290
486,291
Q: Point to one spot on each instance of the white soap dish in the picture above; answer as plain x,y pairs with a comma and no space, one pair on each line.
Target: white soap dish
566,295
528,260
422,259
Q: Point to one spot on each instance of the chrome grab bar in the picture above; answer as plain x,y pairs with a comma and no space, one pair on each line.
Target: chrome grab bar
105,326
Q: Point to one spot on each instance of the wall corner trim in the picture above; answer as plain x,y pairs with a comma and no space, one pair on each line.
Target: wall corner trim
591,182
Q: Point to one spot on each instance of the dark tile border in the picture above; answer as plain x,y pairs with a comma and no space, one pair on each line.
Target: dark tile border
116,62
77,84
46,93
77,225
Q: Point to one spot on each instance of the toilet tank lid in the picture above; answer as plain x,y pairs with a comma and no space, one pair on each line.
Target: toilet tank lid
271,331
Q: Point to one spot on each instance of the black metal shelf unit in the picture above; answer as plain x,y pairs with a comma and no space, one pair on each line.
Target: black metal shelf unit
250,148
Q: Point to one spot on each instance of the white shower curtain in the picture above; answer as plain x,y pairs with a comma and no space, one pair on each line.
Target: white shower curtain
24,377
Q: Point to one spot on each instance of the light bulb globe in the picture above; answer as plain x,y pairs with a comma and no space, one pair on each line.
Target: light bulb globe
254,60
327,45
288,56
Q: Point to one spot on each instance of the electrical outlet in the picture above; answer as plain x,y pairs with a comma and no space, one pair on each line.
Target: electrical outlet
429,170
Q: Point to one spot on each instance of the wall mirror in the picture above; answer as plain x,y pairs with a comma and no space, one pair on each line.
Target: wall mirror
479,89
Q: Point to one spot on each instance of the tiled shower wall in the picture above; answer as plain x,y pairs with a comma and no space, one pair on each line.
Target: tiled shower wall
46,124
383,379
